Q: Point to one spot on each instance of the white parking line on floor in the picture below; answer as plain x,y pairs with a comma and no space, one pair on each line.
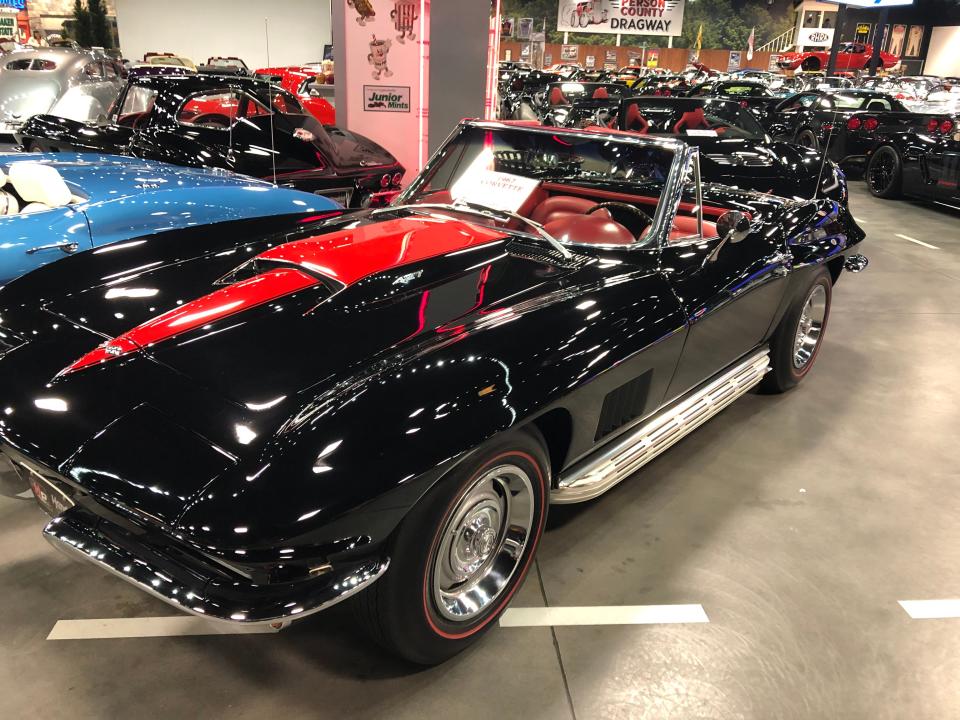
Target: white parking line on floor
931,609
603,615
176,626
918,242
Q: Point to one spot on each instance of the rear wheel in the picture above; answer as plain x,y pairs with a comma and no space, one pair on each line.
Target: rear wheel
810,64
885,173
461,553
797,341
808,139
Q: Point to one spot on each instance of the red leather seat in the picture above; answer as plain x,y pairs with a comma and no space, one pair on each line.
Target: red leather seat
557,97
635,121
561,206
693,120
596,228
601,94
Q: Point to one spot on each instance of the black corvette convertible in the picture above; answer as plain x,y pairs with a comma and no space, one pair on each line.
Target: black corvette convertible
734,149
386,402
921,161
238,123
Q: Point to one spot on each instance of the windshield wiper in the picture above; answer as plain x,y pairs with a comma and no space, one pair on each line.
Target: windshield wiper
482,211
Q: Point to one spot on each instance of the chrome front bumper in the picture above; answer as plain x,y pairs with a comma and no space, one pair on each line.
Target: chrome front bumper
171,578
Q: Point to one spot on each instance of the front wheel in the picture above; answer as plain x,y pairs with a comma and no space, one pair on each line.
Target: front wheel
797,341
885,173
461,553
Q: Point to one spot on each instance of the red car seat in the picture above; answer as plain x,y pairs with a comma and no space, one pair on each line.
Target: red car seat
557,97
693,120
597,228
601,94
560,207
635,121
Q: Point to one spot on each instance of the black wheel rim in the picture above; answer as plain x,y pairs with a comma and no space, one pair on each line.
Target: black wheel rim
882,170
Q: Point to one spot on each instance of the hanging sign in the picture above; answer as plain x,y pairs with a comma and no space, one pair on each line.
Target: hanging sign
570,52
633,17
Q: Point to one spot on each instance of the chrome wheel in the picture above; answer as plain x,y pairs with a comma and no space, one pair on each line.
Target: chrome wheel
810,327
482,543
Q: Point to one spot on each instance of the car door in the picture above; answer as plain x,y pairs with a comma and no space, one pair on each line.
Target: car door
785,119
39,238
730,291
944,165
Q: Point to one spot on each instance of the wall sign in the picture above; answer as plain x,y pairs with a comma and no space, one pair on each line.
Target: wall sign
569,52
591,62
386,98
733,63
815,36
634,17
17,5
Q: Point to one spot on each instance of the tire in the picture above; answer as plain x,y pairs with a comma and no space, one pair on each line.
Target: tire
808,139
418,609
810,64
790,359
884,173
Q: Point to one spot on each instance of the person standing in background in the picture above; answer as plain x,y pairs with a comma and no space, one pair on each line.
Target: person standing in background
37,39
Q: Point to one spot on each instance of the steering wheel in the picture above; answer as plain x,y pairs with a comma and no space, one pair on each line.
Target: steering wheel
639,220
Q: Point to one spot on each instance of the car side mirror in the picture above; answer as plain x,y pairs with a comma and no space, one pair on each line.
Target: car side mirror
733,226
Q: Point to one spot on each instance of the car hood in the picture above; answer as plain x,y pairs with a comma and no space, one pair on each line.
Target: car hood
23,95
111,177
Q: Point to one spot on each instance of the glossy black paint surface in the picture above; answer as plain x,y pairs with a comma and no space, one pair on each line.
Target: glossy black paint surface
335,159
787,119
302,431
930,161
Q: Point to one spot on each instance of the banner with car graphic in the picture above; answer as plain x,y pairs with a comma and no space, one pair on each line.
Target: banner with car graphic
630,17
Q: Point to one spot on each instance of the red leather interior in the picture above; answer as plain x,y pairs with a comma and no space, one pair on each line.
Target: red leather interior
635,121
601,94
557,97
559,207
597,228
693,120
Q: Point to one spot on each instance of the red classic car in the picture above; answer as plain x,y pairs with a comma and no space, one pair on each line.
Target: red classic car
851,56
312,88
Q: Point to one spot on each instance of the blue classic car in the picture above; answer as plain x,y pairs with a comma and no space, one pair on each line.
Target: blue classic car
52,205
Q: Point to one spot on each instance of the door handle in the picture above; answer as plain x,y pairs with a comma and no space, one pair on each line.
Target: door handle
67,247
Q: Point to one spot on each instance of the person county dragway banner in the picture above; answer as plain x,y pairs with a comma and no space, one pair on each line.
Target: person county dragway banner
633,17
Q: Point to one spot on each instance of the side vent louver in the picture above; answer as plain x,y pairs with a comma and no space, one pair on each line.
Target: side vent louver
624,404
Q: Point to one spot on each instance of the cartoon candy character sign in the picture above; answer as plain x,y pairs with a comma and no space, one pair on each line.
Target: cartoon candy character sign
404,15
379,49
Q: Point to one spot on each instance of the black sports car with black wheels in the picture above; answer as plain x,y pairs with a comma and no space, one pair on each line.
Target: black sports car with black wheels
843,123
921,162
386,402
734,149
241,124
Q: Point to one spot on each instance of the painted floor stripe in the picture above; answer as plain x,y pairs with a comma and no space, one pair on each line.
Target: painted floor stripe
931,609
918,242
181,625
603,615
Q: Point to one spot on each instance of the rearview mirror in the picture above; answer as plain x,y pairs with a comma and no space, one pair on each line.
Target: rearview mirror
733,226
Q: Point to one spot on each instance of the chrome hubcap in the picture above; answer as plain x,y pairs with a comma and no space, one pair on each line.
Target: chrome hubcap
483,542
810,327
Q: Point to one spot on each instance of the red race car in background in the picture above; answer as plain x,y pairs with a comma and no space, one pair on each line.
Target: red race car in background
313,88
851,56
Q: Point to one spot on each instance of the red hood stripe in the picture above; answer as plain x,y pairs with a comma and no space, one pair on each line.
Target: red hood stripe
345,256
219,304
350,255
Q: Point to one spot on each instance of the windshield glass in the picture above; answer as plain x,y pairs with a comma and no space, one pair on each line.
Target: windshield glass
744,90
688,117
517,169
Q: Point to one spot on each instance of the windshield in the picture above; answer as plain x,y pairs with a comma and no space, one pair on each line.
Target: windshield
517,169
688,117
745,90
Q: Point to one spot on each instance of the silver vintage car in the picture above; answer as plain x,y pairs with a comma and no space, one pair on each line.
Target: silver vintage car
75,84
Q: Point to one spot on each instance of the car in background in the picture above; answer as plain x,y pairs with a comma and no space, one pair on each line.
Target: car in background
78,85
920,161
666,85
58,204
386,404
225,66
630,75
246,125
734,149
157,58
65,43
752,95
581,104
851,56
841,122
311,87
526,97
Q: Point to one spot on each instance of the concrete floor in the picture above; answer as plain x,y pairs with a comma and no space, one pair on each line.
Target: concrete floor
797,521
